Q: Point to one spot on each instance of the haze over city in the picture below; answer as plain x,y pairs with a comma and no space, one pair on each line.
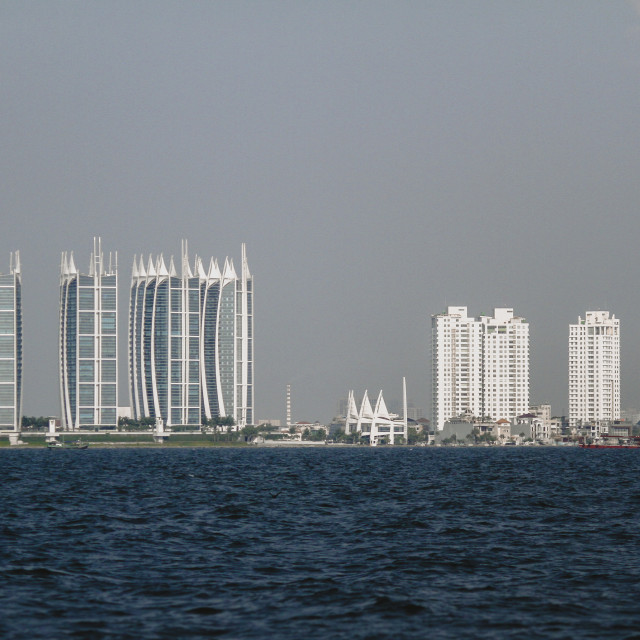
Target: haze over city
380,161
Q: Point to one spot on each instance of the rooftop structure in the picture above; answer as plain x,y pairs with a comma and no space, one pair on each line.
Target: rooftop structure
376,423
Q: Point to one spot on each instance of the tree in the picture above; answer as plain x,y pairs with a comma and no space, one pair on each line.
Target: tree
414,436
35,423
249,432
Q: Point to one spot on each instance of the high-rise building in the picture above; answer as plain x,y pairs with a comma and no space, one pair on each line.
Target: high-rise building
89,341
191,341
480,366
11,346
594,368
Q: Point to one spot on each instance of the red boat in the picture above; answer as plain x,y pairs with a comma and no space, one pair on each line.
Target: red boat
609,446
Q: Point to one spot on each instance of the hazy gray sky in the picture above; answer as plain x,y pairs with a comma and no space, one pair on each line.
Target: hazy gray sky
380,159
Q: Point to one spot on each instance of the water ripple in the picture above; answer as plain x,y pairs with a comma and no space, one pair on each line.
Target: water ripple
349,543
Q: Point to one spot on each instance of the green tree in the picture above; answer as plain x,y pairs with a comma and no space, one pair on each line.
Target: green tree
39,422
249,431
414,436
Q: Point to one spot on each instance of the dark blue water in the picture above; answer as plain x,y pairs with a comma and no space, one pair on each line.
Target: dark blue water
347,543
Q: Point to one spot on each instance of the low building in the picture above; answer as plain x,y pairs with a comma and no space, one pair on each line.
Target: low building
455,429
533,427
376,424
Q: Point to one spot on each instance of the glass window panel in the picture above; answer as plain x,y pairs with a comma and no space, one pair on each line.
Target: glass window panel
109,323
176,324
194,416
194,395
6,280
86,416
87,323
108,281
194,325
108,346
6,298
108,394
86,348
176,394
6,416
87,370
176,372
108,371
176,347
193,348
7,395
194,300
87,395
194,371
108,298
109,416
86,299
6,322
176,300
6,370
6,346
176,416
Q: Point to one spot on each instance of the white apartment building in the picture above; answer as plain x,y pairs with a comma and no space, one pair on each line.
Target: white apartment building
594,368
480,366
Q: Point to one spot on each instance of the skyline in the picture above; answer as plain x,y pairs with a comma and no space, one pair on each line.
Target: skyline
157,269
381,164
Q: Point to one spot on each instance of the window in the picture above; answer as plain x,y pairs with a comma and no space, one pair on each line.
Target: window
86,299
6,346
6,298
109,347
108,394
87,395
6,322
108,371
6,395
109,323
86,347
6,370
87,371
86,324
194,300
108,299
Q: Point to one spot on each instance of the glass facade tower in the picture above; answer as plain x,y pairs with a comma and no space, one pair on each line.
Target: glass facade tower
11,347
88,342
191,341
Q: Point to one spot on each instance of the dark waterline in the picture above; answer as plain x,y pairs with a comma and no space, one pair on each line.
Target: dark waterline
320,543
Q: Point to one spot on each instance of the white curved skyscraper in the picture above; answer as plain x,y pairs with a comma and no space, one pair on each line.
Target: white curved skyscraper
191,341
89,341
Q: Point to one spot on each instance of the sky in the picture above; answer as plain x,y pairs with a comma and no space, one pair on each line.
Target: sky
381,160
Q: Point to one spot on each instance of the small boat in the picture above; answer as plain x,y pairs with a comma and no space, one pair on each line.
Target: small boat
76,444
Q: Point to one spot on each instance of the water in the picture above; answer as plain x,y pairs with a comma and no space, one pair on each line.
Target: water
328,543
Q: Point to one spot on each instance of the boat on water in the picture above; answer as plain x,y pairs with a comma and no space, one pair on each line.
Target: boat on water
609,446
76,444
